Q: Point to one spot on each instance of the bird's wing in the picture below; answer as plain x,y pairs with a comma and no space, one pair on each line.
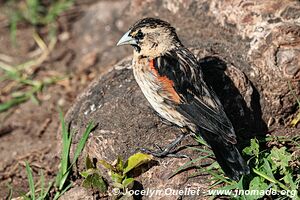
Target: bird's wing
183,86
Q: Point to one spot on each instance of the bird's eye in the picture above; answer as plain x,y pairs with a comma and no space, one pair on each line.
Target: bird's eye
139,35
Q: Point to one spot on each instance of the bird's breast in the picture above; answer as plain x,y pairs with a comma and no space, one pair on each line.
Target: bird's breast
156,92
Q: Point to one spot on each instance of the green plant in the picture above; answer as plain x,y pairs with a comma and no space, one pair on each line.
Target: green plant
62,182
44,192
19,82
65,165
92,177
35,13
119,172
272,169
18,79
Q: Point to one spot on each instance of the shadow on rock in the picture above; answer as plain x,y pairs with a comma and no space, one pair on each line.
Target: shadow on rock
238,96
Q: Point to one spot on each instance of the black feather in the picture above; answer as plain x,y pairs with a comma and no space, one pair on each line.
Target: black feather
201,106
154,23
227,156
188,83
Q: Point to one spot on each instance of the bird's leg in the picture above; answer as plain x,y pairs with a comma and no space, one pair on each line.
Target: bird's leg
168,150
163,120
166,122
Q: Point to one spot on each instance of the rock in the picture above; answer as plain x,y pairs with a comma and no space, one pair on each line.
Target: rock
259,38
77,193
126,122
274,31
98,32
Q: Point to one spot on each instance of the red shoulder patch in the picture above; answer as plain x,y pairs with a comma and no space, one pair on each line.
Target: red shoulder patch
167,84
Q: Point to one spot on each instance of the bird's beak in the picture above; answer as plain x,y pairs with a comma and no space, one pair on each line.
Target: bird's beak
127,39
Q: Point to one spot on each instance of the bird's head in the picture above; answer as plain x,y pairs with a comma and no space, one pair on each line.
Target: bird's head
151,37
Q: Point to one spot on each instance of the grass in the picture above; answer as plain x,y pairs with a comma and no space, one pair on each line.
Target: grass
62,183
119,171
35,13
274,168
18,82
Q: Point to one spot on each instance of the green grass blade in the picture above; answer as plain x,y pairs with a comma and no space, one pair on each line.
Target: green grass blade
218,182
42,180
30,181
270,179
14,20
188,164
217,176
47,191
12,102
10,193
32,9
82,141
201,150
64,165
200,140
63,180
65,162
59,193
79,148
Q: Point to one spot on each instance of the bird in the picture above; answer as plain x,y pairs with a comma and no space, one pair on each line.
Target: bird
171,79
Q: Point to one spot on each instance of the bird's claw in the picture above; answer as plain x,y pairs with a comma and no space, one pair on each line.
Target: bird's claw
168,150
163,153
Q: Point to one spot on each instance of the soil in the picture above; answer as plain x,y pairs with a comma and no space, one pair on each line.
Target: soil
28,131
85,50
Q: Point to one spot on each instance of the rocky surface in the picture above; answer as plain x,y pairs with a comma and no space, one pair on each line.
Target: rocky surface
125,122
274,30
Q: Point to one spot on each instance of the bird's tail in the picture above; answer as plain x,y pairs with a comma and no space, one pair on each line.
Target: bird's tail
229,159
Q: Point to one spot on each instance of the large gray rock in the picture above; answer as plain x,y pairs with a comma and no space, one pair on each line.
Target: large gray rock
236,63
125,122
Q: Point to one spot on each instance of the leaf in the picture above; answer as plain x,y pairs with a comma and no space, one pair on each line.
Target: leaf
257,184
34,99
47,191
267,168
209,152
135,161
127,181
289,181
107,165
117,177
60,193
253,149
120,164
201,141
64,163
280,159
88,172
95,181
88,163
117,185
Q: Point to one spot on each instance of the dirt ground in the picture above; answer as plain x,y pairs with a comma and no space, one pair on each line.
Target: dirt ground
28,132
